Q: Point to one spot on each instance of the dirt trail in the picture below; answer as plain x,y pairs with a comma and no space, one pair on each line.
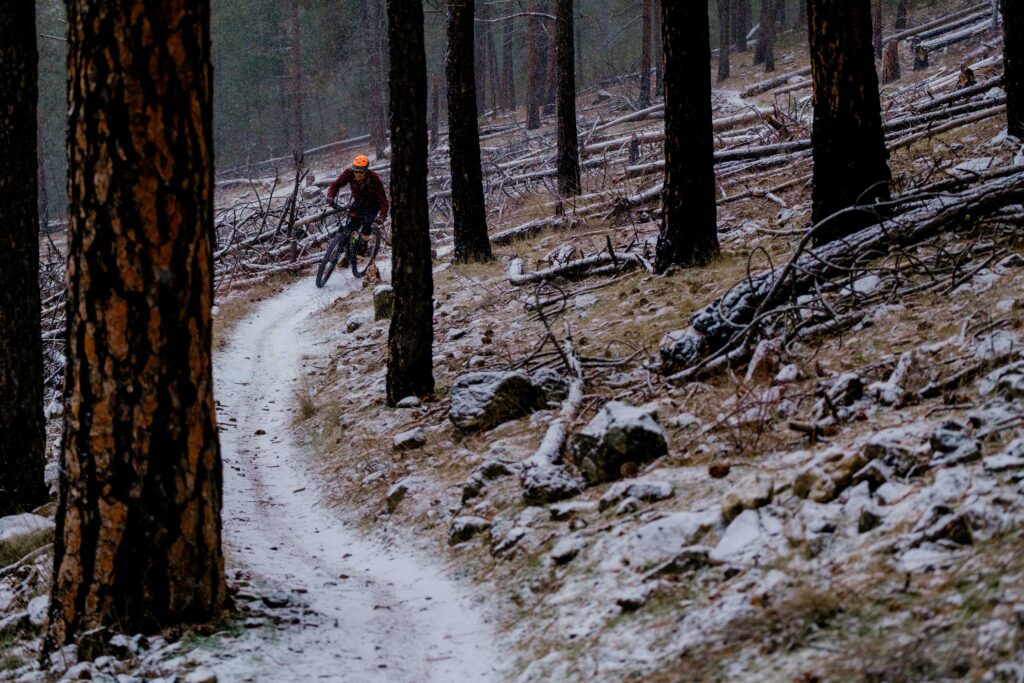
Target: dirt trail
382,614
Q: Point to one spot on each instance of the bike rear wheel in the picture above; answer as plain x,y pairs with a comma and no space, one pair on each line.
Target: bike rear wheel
331,257
360,264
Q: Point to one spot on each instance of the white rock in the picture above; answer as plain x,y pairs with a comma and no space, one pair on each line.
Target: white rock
950,486
567,549
357,320
754,536
37,609
788,373
751,492
892,492
409,402
655,542
683,421
201,675
407,441
645,490
996,345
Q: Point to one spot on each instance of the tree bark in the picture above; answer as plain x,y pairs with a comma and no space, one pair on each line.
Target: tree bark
479,57
764,52
645,55
22,434
435,110
295,77
508,76
891,63
551,79
689,234
410,340
724,34
901,16
568,143
138,542
535,67
850,167
492,62
659,57
376,47
1013,56
469,214
876,29
740,23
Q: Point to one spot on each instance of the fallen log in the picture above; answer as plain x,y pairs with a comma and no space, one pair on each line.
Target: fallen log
733,321
772,83
576,268
543,478
630,117
957,95
975,9
957,37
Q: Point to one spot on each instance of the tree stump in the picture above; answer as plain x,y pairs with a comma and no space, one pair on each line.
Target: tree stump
891,63
383,302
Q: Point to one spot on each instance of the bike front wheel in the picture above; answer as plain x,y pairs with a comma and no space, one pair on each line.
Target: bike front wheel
361,263
330,259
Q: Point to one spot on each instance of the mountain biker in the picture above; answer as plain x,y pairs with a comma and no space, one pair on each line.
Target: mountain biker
369,199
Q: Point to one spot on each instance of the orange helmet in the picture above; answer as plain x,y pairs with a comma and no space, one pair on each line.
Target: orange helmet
361,163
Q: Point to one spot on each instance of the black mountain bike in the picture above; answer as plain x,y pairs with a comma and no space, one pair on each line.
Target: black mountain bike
347,242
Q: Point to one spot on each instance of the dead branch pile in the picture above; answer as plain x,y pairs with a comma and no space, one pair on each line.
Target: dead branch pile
776,302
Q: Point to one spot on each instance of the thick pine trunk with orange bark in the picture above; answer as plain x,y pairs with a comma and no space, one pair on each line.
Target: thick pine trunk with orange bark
850,158
139,531
22,440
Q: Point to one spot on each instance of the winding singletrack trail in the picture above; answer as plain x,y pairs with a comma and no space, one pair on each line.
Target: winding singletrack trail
376,613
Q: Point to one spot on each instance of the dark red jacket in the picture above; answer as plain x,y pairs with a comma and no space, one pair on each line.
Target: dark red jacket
368,194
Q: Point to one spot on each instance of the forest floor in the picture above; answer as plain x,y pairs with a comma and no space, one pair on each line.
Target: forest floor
882,544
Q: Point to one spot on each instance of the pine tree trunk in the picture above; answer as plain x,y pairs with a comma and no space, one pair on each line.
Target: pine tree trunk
44,200
138,541
551,80
479,57
645,55
689,233
724,34
492,62
376,47
568,143
801,15
849,151
659,57
764,52
435,110
410,340
876,29
508,76
901,16
891,63
1013,56
534,68
295,76
22,437
740,23
469,214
